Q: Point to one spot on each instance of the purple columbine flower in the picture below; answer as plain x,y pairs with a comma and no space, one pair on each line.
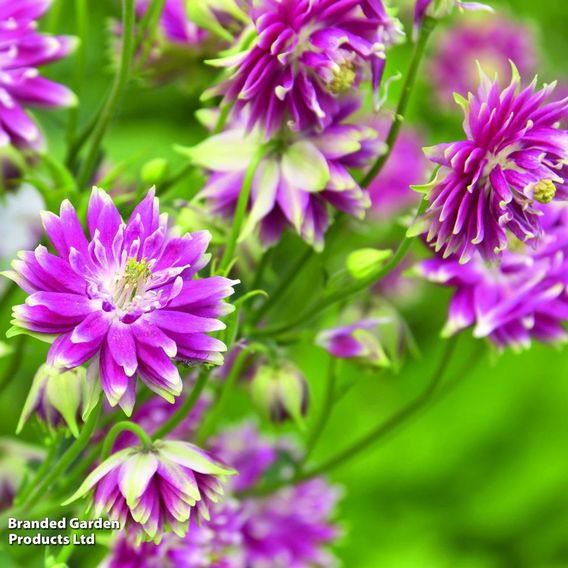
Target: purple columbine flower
356,341
521,297
24,49
488,183
438,9
300,176
153,490
213,544
492,42
308,53
293,527
127,299
390,191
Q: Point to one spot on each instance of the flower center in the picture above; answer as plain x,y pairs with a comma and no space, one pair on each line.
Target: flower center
130,287
544,191
343,78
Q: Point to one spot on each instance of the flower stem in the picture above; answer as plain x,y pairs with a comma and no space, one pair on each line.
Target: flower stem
124,426
403,416
185,408
241,210
328,402
336,296
110,106
66,460
219,409
417,55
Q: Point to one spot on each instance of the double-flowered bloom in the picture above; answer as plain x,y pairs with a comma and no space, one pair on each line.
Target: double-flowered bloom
487,184
22,50
127,300
521,297
153,490
307,54
299,176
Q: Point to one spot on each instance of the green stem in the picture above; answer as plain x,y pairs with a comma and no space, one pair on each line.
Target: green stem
336,296
115,94
241,210
54,446
327,406
66,460
124,426
417,55
223,116
219,409
403,416
185,408
284,283
144,38
80,57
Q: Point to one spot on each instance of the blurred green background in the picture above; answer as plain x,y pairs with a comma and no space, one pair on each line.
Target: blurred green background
478,480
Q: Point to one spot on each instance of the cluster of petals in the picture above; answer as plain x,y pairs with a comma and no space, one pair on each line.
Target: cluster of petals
489,184
127,299
521,297
153,490
23,50
300,176
306,55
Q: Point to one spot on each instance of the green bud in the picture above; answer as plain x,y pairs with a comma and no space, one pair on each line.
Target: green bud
155,171
363,262
56,398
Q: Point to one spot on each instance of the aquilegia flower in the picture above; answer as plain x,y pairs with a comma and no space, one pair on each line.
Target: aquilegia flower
299,176
290,528
23,50
127,299
492,42
216,543
521,297
153,490
488,183
308,53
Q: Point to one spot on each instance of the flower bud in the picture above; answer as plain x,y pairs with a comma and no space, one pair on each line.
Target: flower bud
56,398
154,171
281,393
362,262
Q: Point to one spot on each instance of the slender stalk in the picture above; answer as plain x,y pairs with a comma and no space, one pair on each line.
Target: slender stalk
185,408
327,406
334,297
66,460
80,57
223,116
241,210
402,417
220,407
117,429
147,31
115,94
417,55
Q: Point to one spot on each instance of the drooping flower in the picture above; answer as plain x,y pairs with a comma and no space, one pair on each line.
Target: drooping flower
16,461
213,544
280,392
24,49
355,341
521,297
299,177
127,300
492,42
438,9
153,490
308,53
390,191
292,527
488,183
57,398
